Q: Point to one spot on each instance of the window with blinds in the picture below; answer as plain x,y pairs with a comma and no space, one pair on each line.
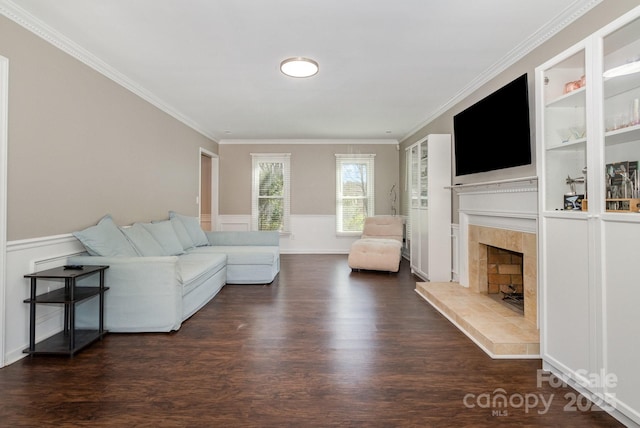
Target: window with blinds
270,191
354,192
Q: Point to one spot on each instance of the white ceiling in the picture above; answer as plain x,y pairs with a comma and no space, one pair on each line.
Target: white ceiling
386,66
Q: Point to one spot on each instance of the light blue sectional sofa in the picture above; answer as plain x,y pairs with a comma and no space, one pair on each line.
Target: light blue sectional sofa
161,273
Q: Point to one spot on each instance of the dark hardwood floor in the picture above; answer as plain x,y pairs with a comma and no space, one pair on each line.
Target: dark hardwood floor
320,347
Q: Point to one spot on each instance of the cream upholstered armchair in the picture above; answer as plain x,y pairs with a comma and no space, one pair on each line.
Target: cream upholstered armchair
380,247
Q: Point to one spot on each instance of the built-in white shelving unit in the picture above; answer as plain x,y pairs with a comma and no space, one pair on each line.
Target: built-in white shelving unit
430,207
588,149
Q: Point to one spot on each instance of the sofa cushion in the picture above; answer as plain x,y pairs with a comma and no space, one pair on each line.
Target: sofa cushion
249,237
142,240
194,265
375,254
164,233
383,227
192,225
105,239
242,255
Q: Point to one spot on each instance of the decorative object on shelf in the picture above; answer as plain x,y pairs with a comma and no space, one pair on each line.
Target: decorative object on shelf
621,180
572,184
575,84
616,122
573,202
571,86
635,112
584,174
393,195
622,205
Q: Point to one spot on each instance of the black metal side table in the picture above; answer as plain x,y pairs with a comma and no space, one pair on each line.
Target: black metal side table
70,340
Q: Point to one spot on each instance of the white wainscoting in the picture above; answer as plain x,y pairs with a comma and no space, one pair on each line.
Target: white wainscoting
309,234
233,223
24,257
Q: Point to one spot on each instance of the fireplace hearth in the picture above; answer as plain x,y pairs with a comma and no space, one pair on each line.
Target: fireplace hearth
501,214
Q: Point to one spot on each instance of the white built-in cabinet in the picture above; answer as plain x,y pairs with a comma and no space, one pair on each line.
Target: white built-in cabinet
429,169
588,149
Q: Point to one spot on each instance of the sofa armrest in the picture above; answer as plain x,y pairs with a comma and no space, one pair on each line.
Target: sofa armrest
145,293
242,238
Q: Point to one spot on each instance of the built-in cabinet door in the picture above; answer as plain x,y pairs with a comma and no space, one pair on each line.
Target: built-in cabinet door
567,296
622,315
438,213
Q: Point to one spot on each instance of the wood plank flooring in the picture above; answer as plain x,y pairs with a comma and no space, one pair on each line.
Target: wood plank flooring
320,347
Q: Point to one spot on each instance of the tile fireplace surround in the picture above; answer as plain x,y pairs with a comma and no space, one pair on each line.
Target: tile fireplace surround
504,215
521,242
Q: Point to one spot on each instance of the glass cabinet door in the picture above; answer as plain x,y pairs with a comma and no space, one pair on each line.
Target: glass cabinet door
565,133
620,76
424,175
415,176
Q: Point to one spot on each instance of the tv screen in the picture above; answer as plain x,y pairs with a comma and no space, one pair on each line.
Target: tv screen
494,133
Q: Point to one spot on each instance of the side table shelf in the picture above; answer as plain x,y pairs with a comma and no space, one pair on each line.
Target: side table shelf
70,340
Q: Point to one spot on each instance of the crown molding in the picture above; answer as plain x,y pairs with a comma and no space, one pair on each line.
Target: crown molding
569,15
307,141
21,17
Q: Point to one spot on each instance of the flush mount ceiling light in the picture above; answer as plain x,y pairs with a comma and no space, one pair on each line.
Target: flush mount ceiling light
299,67
623,70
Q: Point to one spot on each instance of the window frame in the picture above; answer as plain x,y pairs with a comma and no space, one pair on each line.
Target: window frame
341,160
256,160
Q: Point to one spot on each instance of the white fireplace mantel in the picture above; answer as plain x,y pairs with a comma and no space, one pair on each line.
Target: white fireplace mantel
508,204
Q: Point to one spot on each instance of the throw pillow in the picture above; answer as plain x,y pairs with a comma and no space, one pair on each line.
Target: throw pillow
105,239
144,243
192,224
165,235
182,233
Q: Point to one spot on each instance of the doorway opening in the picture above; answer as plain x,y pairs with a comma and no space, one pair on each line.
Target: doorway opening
208,195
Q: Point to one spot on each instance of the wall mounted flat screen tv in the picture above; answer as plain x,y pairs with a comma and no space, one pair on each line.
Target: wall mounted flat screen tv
495,132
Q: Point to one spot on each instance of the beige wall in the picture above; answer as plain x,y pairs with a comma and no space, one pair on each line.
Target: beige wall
592,21
313,176
81,146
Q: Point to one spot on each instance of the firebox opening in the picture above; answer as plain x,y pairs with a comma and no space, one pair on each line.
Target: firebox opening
505,280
